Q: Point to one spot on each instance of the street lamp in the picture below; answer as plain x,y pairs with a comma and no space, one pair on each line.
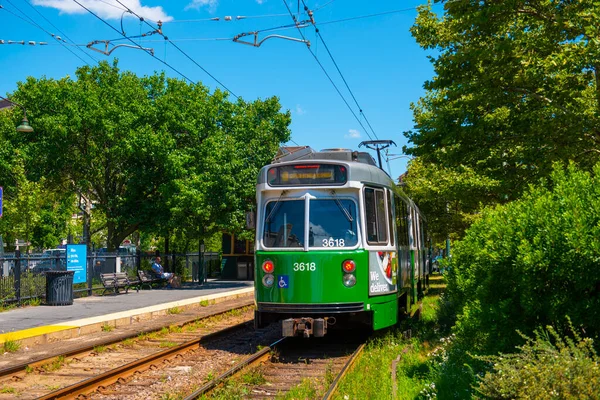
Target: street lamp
24,127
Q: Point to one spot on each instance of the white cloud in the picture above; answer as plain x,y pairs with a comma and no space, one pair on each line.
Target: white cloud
300,110
108,9
211,5
352,134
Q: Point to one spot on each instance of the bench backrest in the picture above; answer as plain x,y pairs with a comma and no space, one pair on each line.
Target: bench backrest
112,279
146,276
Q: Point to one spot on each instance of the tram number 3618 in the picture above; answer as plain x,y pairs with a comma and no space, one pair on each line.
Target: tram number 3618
331,242
305,266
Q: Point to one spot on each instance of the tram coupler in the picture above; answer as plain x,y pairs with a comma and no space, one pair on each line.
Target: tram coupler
306,327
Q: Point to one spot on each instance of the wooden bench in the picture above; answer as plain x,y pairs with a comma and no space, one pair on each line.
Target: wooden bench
149,278
119,280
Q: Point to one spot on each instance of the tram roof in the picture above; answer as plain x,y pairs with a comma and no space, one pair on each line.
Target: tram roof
361,165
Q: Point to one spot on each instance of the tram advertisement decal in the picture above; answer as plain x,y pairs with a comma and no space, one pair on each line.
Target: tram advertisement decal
383,272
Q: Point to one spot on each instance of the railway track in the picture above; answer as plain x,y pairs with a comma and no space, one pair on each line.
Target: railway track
308,368
84,371
206,358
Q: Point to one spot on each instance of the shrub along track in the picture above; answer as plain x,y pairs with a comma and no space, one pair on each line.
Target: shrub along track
39,378
301,368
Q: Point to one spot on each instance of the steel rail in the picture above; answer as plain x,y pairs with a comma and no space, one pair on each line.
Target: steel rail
109,377
259,356
88,348
345,369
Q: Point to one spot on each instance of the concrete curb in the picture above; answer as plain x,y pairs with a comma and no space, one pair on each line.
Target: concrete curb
72,329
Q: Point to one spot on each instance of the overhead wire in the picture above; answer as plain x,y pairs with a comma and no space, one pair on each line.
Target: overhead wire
180,50
382,13
30,21
60,31
327,74
339,71
136,45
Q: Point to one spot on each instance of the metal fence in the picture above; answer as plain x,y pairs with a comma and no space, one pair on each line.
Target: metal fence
22,276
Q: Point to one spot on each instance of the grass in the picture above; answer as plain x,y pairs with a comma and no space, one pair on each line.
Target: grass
54,365
174,311
128,342
308,389
175,329
167,344
100,349
371,376
204,303
107,328
238,387
29,369
10,346
8,390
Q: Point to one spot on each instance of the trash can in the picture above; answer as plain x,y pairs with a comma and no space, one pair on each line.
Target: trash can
59,288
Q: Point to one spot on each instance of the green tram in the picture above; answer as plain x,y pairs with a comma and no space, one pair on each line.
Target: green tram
337,242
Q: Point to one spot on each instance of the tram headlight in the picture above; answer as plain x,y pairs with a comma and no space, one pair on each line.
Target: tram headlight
349,280
268,267
349,266
268,280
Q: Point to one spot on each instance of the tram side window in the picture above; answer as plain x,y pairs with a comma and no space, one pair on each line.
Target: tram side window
390,216
402,222
375,216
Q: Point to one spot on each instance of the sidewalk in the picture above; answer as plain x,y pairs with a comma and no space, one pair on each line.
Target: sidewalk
43,324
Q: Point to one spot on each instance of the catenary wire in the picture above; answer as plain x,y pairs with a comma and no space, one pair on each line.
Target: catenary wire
181,51
340,72
382,13
326,74
137,45
60,31
32,22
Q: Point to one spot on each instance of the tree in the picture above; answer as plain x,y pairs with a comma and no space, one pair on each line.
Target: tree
449,198
516,88
148,149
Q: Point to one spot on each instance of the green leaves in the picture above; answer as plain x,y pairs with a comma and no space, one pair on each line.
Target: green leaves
152,153
515,90
530,263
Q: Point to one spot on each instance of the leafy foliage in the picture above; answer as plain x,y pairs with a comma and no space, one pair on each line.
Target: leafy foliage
530,263
450,198
516,89
151,153
547,367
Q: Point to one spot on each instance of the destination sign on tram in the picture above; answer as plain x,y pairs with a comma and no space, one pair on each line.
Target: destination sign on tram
307,174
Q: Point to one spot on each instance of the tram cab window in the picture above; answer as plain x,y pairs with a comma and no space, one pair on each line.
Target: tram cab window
375,213
284,224
332,223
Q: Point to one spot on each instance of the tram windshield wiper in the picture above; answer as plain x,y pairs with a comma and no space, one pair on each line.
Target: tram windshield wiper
342,208
275,207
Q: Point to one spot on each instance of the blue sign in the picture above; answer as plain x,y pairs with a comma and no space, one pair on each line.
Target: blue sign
77,261
1,195
283,281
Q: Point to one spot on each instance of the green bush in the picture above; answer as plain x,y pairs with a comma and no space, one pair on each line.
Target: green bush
547,367
530,263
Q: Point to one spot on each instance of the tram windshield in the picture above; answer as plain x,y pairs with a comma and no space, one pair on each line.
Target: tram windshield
284,224
332,223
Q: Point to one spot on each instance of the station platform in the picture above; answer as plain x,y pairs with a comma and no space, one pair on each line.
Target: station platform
42,324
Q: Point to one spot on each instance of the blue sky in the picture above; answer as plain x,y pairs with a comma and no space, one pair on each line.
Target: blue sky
378,57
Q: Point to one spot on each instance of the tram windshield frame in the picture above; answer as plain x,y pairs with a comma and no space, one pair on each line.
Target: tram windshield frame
332,223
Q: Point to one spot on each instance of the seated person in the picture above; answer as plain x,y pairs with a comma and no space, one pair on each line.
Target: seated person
159,271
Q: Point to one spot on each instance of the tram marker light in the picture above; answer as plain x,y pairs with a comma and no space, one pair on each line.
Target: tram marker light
349,280
268,280
348,266
268,267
